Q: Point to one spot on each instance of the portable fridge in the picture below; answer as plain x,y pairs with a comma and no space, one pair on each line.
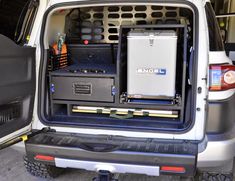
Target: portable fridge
151,63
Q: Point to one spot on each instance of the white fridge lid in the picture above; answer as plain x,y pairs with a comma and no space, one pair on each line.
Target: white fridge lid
152,33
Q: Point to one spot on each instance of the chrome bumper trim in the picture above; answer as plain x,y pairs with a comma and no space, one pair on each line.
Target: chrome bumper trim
111,167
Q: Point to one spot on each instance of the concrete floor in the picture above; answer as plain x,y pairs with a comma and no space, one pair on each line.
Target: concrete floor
12,169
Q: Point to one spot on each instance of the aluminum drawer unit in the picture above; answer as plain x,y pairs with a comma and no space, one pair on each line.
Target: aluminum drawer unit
151,63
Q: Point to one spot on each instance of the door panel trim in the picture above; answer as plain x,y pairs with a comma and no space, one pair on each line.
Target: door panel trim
17,85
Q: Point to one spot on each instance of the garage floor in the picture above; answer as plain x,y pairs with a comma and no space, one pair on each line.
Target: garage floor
12,169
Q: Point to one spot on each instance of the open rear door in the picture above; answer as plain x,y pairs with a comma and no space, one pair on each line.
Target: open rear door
17,88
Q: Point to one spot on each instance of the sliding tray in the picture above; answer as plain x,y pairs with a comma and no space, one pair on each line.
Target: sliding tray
177,102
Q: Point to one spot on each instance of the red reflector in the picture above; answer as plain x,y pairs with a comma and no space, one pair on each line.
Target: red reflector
173,169
44,158
86,42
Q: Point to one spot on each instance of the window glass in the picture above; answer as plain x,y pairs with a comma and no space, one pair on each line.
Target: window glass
216,43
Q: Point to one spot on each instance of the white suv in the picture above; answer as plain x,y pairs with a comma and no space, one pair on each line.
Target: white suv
69,94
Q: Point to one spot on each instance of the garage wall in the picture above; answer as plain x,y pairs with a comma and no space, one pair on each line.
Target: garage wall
231,30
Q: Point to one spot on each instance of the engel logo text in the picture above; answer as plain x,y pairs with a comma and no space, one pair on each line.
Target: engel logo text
157,71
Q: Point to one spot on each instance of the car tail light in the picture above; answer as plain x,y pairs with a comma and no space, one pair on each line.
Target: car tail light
222,77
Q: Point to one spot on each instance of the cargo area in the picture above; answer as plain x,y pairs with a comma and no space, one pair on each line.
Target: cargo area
126,67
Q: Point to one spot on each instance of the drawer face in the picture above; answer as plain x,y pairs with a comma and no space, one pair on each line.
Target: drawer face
82,89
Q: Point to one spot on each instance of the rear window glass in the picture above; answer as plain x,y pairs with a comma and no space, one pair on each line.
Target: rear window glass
216,43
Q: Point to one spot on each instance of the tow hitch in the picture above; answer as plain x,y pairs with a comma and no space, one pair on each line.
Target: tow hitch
105,176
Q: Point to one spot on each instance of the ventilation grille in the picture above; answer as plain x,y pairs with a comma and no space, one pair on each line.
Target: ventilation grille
102,24
82,89
9,113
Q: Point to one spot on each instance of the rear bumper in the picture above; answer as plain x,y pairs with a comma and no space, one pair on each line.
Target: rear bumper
69,151
219,152
133,156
